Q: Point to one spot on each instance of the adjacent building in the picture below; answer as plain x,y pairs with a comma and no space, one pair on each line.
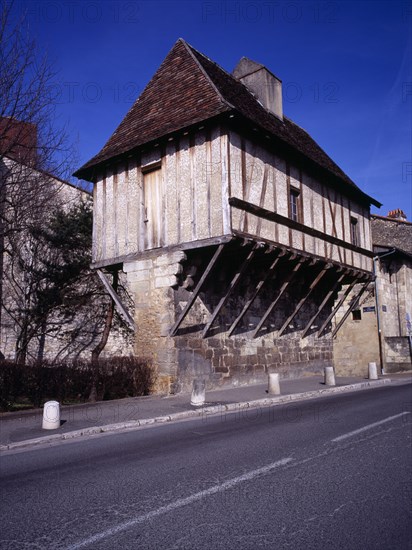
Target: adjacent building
379,327
30,196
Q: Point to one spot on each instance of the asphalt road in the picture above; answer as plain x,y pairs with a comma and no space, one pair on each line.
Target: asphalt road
327,473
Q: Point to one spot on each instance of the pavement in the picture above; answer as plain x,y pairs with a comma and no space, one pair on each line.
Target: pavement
24,429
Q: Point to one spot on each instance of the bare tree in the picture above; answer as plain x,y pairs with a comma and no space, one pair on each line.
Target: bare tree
31,147
40,298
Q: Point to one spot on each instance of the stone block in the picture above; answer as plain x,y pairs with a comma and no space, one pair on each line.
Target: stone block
171,258
194,343
166,270
165,330
140,288
137,265
167,355
141,305
164,282
137,276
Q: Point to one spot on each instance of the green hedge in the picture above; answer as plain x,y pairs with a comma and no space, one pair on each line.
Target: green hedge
32,385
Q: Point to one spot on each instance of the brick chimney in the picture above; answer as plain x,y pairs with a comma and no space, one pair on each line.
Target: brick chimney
18,140
264,85
397,214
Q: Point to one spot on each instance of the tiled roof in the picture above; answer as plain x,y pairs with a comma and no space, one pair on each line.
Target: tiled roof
178,95
391,233
189,88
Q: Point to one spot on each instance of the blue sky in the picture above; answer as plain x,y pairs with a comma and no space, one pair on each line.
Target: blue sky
346,68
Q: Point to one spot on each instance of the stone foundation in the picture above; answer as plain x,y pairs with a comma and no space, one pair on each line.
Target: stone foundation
162,285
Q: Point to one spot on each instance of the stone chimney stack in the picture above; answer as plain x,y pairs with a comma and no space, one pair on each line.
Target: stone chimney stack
264,85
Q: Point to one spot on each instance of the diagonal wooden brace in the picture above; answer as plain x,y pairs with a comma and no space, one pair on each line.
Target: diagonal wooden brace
116,299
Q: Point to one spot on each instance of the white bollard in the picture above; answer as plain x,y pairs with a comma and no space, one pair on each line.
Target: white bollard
51,415
198,393
330,376
274,386
372,371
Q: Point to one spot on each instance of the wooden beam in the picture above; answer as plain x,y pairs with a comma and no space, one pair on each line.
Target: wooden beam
351,308
233,284
335,310
259,286
115,297
275,217
303,300
285,284
300,253
154,253
323,304
197,289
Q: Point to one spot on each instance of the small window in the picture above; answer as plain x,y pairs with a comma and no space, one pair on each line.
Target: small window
354,232
356,315
294,203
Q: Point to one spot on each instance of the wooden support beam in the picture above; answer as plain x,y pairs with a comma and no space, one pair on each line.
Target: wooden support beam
284,286
197,289
233,284
303,300
354,303
259,286
258,211
323,304
335,310
116,299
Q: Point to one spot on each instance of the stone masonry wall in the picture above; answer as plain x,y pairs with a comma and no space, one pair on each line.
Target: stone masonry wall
160,288
356,343
397,354
150,282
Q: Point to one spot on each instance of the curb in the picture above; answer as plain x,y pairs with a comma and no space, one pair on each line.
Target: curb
196,413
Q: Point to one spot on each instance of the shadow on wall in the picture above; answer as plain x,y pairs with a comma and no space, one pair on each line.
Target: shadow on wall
192,365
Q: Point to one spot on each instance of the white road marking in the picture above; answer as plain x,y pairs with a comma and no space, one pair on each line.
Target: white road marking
180,503
369,426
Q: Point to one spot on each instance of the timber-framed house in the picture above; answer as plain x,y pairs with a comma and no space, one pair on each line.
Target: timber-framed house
239,236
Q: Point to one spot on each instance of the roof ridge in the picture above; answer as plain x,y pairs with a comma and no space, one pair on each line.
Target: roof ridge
387,218
191,49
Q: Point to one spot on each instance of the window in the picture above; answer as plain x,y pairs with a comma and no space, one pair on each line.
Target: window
294,204
354,233
356,315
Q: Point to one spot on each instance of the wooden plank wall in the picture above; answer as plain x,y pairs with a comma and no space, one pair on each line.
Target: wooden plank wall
199,173
195,186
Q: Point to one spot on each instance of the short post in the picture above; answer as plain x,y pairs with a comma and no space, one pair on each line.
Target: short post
372,371
198,393
274,386
51,415
330,376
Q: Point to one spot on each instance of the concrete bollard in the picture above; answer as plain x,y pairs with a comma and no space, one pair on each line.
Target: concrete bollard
198,393
330,376
274,387
51,415
372,371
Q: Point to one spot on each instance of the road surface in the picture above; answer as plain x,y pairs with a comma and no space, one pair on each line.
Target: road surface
333,472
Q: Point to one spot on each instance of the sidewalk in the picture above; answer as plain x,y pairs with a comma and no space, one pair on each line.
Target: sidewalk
24,429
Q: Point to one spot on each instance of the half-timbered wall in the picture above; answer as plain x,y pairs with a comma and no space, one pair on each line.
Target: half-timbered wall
179,193
265,179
